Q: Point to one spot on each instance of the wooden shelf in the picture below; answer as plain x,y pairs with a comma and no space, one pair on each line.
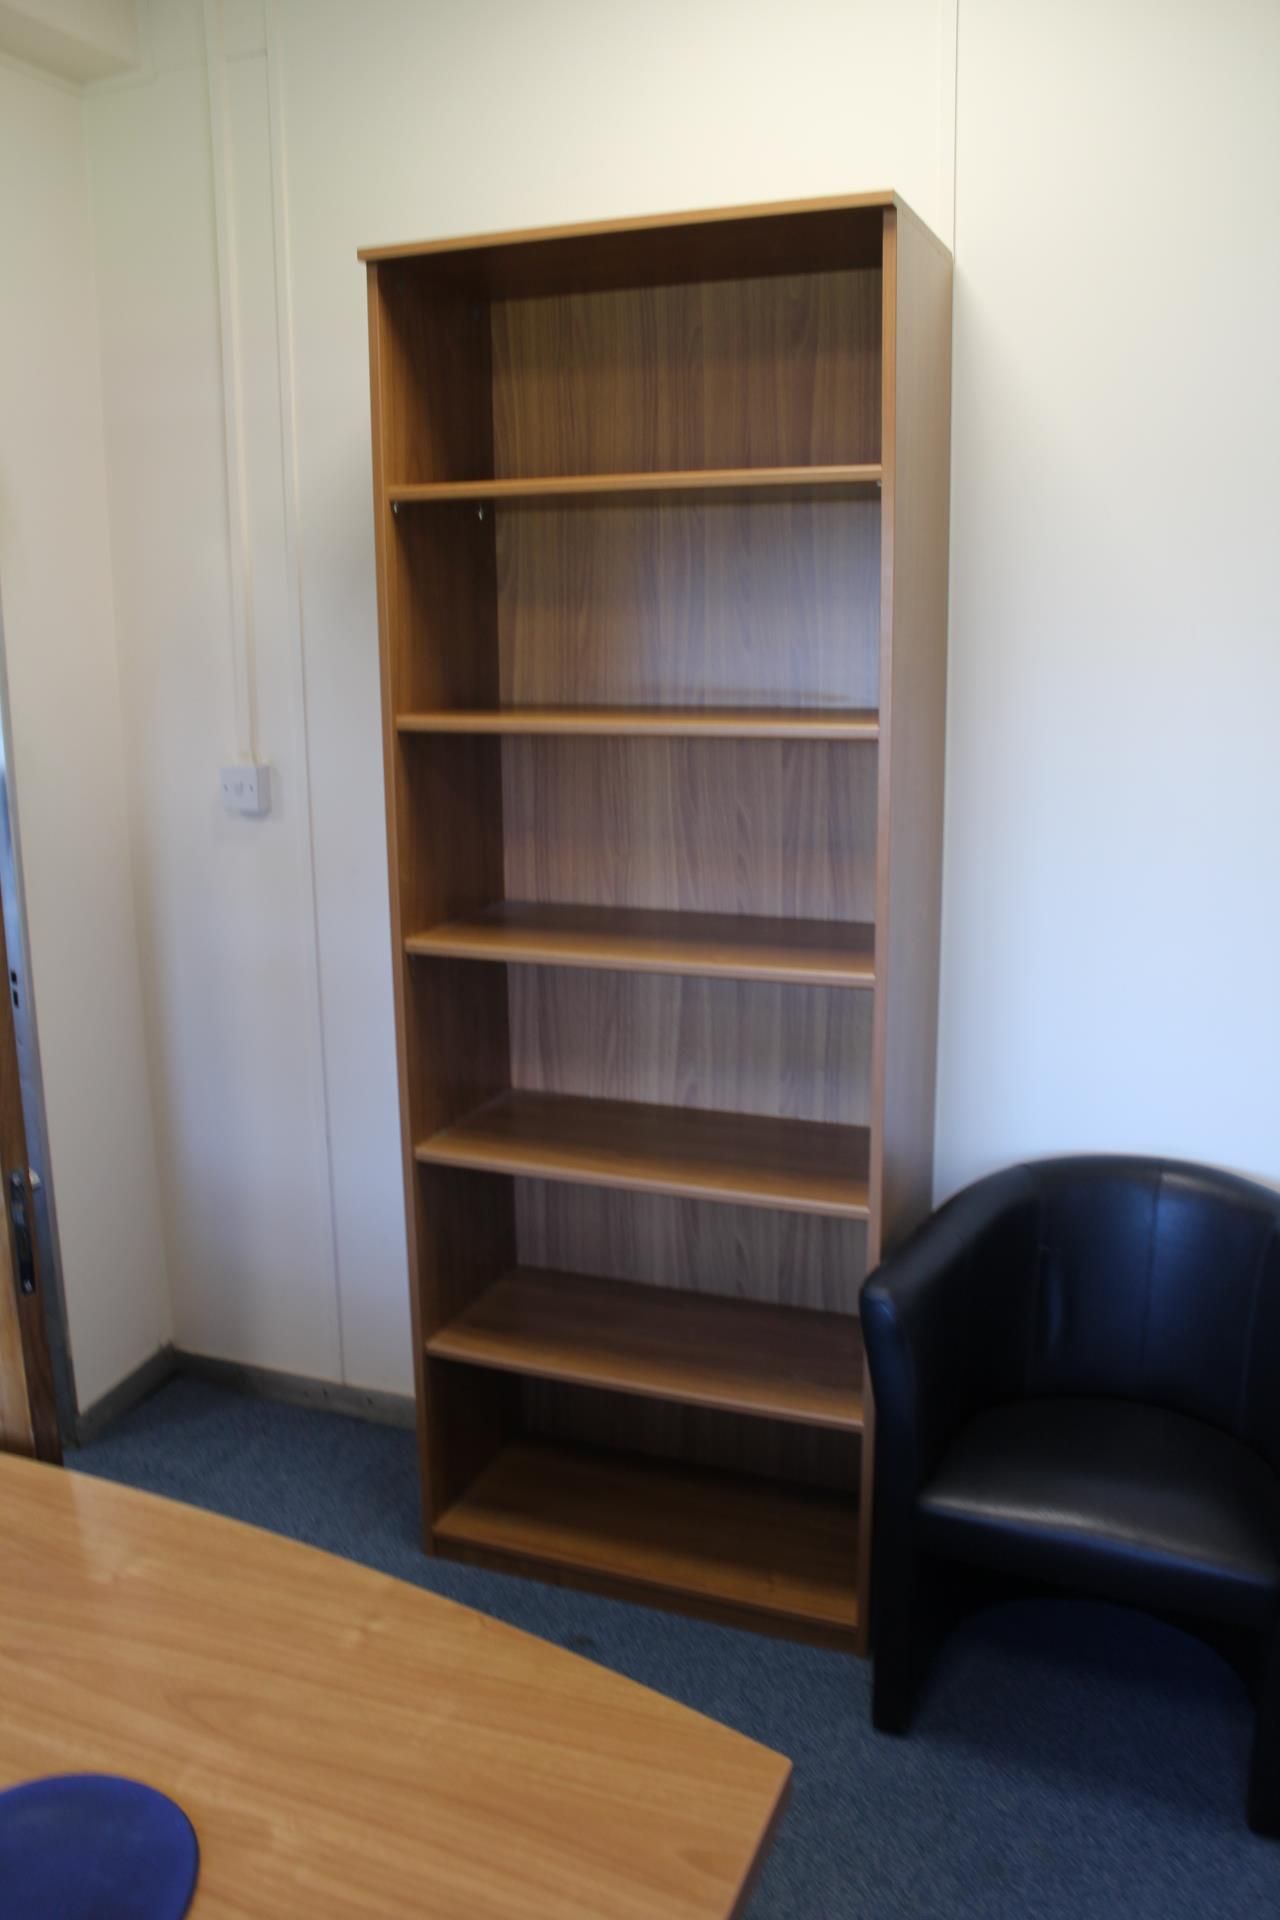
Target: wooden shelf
863,479
738,946
705,723
664,1531
802,1166
701,1350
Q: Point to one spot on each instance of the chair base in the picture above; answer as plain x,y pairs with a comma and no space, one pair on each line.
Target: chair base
1264,1764
901,1657
893,1689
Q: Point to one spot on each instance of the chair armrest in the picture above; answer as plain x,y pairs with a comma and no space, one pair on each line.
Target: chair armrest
946,1321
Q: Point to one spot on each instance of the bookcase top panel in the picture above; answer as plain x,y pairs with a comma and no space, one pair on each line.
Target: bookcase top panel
788,236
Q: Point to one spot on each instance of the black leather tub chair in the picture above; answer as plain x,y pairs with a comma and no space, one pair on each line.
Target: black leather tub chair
1076,1366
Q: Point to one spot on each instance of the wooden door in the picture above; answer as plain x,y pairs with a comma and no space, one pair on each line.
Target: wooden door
28,1413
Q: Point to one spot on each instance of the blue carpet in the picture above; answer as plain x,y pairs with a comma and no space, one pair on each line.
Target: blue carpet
1070,1761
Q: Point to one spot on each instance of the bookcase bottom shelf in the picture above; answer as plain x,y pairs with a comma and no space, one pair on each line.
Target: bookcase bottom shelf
754,1553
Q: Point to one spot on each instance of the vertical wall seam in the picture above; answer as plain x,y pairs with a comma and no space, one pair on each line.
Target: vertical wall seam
239,559
297,633
152,1070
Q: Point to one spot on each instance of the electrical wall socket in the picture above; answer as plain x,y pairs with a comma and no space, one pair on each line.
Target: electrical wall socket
247,788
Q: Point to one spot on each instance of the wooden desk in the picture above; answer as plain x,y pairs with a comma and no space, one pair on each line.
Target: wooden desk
347,1744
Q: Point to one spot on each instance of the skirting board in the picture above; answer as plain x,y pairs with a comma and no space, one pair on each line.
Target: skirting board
137,1386
264,1383
298,1389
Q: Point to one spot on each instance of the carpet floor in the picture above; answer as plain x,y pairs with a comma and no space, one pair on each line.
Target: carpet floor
1070,1762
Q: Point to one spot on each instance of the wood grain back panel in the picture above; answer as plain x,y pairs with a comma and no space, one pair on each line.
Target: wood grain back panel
764,372
750,1253
773,827
660,1429
732,1046
730,603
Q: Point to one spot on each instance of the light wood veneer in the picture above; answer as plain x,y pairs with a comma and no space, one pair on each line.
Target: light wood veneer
667,1344
830,953
807,1165
739,1545
671,723
347,1746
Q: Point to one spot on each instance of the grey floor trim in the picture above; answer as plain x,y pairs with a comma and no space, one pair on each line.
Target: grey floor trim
125,1395
298,1389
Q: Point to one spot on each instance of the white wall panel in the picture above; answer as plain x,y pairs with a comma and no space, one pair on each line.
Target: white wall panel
65,704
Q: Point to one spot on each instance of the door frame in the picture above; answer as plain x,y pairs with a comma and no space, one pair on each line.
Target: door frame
42,1213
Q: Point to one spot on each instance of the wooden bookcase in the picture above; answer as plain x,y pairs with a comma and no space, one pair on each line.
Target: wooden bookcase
661,512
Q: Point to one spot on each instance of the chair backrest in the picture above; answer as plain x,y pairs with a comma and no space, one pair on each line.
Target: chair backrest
1159,1281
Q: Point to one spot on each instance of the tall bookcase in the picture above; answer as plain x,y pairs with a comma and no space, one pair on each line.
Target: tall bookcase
661,514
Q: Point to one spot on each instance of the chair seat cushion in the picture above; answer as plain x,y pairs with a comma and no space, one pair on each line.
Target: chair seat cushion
1123,1500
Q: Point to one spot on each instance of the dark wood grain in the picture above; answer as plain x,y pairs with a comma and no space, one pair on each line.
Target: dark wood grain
735,1252
801,1164
749,603
700,826
780,1551
755,1445
775,373
732,1046
664,1344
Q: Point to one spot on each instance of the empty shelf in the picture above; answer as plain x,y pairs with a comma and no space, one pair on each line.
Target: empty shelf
710,723
805,1166
667,1530
829,953
863,478
699,1349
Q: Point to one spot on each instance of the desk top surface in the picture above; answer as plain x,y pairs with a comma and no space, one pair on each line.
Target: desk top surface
346,1744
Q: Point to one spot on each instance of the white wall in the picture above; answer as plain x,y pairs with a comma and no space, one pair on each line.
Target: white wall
64,695
1112,796
226,914
1112,917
